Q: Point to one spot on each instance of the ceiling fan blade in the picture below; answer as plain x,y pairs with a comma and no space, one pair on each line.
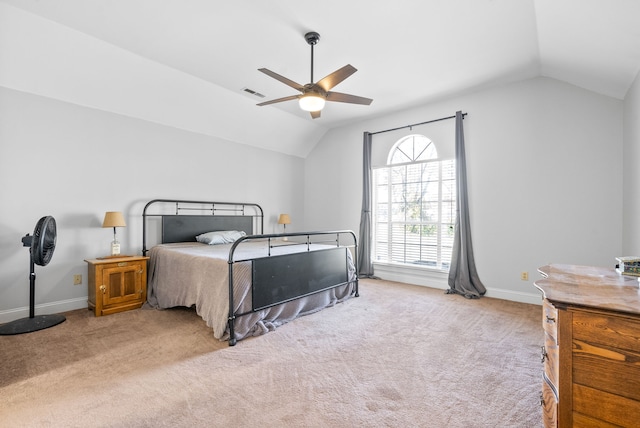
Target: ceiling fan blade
282,79
279,100
315,114
328,82
347,98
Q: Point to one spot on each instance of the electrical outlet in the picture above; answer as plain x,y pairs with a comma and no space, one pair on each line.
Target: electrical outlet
77,279
524,276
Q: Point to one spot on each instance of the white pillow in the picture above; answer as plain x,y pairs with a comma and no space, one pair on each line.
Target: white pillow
220,237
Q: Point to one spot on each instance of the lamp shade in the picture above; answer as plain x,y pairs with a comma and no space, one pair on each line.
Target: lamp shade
311,102
284,219
113,219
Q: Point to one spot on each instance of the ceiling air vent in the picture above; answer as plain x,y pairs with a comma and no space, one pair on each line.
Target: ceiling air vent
252,92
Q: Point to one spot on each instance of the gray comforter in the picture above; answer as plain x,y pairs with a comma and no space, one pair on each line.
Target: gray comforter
188,274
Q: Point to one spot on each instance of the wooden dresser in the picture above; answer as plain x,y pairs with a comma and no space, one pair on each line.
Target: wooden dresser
591,352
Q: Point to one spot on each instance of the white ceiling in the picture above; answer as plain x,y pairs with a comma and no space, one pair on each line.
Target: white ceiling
407,52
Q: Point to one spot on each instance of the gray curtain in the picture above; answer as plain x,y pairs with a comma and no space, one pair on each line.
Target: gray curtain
463,277
365,267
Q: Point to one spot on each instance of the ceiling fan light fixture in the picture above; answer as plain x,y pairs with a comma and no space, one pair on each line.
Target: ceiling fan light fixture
311,102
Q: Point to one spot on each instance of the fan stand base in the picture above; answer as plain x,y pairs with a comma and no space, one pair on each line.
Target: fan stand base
28,325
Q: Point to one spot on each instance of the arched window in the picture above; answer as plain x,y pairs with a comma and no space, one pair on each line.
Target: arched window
414,205
411,149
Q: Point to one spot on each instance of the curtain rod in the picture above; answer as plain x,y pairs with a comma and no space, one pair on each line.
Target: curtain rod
417,124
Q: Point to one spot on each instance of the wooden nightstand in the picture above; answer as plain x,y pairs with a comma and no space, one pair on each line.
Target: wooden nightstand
117,284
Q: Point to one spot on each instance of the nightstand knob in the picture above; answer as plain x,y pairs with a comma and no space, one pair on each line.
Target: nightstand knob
103,288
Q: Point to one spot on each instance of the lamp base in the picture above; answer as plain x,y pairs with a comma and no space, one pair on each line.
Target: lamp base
115,248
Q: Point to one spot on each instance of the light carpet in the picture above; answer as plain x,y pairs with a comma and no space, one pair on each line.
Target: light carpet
397,356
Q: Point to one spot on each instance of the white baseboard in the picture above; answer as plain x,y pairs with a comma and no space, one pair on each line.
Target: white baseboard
43,309
516,296
439,279
408,275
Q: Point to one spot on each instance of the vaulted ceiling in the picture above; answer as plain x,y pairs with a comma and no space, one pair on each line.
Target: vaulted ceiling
407,52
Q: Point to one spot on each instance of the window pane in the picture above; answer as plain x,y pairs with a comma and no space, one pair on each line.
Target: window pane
382,194
432,191
382,215
397,193
449,190
447,235
448,170
420,148
382,231
414,173
413,193
431,171
398,174
430,211
399,156
397,212
448,212
429,153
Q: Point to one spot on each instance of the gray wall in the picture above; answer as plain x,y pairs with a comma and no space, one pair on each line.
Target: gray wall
631,200
75,163
544,169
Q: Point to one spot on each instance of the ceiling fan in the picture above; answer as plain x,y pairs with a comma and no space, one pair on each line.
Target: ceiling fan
314,95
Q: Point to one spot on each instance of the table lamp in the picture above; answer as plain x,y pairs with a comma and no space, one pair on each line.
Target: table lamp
114,219
284,220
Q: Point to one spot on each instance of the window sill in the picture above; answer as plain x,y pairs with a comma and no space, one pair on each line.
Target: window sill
419,275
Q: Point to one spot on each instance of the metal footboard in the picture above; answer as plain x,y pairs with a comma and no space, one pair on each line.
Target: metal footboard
281,278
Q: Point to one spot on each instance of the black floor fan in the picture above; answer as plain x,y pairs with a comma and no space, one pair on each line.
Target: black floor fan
41,246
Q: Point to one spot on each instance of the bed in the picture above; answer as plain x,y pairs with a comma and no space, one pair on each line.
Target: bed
242,281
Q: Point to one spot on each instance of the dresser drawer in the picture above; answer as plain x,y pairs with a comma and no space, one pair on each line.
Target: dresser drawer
550,320
606,354
549,403
550,360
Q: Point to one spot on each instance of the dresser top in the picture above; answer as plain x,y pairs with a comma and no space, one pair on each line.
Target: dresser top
589,286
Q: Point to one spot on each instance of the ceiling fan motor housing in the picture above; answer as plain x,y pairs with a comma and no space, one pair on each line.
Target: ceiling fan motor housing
312,37
312,88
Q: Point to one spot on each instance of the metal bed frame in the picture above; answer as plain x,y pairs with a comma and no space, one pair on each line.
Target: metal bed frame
276,279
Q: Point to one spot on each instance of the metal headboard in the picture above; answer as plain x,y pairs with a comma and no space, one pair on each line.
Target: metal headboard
182,220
